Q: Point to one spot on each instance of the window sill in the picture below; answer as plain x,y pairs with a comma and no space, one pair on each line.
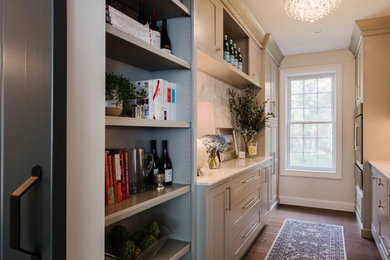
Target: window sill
311,174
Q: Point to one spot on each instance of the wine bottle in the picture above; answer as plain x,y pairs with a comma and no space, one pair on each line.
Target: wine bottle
108,18
239,59
166,164
235,56
225,49
153,24
231,52
142,18
156,166
165,42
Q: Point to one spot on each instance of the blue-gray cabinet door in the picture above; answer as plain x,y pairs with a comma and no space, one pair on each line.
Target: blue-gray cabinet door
33,129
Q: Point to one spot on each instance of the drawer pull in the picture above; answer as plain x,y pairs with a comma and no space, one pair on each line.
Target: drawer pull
249,203
374,178
249,180
380,205
250,230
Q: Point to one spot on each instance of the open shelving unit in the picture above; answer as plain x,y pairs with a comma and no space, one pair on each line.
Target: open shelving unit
128,49
224,71
133,122
142,201
138,60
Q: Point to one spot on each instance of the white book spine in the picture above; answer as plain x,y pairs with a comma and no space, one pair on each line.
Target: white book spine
118,172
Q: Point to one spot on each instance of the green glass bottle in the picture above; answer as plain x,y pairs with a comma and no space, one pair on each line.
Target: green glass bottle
239,59
235,56
231,52
225,49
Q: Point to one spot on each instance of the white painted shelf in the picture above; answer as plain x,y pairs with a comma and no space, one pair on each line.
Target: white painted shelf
224,71
142,201
133,122
128,49
164,8
172,250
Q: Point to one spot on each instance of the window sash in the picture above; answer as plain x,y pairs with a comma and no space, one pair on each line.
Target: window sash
332,121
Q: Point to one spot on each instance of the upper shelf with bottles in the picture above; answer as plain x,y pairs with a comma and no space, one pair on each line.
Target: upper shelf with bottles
164,8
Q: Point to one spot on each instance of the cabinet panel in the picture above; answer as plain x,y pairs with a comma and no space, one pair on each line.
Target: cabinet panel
244,205
217,225
208,29
254,61
245,182
375,201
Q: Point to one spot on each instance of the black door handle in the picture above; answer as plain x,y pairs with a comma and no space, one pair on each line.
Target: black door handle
36,173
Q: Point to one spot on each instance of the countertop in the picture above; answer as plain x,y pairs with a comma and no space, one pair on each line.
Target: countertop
382,166
228,169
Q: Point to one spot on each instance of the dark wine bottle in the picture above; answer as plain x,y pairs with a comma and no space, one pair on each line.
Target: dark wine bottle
156,165
166,164
153,24
231,52
142,18
226,49
165,42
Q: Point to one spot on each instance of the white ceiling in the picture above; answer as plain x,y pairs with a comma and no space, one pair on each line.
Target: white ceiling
296,37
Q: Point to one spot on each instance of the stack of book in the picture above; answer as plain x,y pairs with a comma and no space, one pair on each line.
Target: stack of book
117,176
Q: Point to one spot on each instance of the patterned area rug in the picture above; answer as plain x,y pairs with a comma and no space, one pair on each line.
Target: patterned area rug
307,240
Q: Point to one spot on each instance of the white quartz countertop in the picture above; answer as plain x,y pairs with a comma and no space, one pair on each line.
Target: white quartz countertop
228,169
382,166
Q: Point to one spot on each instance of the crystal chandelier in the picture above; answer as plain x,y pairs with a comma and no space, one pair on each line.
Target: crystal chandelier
310,10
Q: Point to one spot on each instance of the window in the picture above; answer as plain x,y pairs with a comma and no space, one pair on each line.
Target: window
311,122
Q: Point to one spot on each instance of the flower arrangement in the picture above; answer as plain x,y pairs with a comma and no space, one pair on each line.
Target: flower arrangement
248,115
214,144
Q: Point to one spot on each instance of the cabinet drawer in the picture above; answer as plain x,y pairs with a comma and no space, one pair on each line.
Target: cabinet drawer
243,205
245,182
244,234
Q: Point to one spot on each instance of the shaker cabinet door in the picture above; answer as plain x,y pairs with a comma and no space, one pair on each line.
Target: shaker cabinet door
254,61
208,29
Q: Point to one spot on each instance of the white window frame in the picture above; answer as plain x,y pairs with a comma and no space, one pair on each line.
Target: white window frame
285,75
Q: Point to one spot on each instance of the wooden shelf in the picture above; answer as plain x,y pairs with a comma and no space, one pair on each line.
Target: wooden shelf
142,201
224,71
126,48
164,8
172,250
133,122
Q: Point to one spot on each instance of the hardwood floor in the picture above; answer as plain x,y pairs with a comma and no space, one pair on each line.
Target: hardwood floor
356,247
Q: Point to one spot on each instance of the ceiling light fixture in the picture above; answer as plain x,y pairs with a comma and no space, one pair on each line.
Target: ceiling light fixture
310,10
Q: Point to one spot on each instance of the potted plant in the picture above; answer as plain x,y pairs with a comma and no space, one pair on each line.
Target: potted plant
119,93
248,115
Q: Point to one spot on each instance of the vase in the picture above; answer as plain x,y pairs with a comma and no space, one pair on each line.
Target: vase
112,109
252,149
213,160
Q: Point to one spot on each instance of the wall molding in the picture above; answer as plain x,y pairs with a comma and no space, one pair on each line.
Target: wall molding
316,203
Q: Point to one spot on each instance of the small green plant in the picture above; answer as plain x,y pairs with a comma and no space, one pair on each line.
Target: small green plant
120,90
249,116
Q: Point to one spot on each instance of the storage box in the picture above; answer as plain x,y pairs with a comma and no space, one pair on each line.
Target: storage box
129,25
155,96
173,101
167,100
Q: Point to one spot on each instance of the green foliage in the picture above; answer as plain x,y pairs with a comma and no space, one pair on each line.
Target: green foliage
152,229
147,241
117,238
119,89
137,237
248,115
130,251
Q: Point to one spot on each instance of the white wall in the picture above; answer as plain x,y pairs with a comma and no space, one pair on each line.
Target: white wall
319,192
85,129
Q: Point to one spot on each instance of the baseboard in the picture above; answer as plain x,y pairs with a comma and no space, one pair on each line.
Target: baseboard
274,205
366,233
315,203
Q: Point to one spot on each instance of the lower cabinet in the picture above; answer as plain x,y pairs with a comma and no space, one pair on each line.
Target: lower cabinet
231,214
380,221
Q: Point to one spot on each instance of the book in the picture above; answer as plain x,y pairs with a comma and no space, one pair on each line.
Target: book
112,190
107,182
123,180
127,173
117,174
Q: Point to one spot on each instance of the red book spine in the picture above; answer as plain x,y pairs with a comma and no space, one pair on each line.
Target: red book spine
127,173
117,176
123,183
107,175
112,190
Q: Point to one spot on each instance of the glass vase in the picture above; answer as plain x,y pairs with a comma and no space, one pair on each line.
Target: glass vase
213,160
252,149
